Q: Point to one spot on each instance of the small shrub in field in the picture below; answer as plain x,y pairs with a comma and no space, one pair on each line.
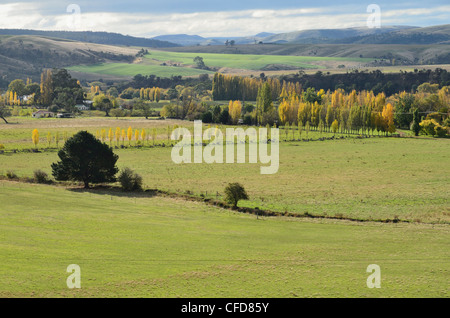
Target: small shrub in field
234,192
11,175
129,180
41,177
428,126
440,131
2,147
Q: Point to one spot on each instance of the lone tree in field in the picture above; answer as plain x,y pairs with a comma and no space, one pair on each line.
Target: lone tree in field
234,192
85,158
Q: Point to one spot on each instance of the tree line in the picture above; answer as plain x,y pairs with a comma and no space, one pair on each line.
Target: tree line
226,87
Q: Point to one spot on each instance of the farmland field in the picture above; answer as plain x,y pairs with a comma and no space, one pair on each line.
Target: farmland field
142,245
151,63
375,178
162,247
247,61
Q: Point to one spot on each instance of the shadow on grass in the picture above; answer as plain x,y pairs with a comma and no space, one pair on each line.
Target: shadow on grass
116,191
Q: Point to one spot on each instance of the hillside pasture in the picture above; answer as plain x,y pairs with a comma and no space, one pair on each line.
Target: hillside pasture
129,246
374,178
166,64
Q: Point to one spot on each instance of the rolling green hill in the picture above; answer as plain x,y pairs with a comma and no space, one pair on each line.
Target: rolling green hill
26,56
163,63
404,54
249,61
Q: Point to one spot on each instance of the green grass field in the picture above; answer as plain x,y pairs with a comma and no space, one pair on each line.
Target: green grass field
17,135
136,245
151,63
369,179
247,61
162,247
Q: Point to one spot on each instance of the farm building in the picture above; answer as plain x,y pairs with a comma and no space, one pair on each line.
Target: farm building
43,114
82,107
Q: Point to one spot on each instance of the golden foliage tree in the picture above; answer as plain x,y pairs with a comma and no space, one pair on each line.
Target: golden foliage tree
35,137
235,110
129,135
388,117
110,136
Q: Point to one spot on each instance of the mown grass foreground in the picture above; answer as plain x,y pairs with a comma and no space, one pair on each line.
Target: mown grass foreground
140,246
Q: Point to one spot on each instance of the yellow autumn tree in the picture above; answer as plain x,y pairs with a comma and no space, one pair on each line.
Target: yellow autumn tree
117,135
123,136
49,139
283,111
136,136
157,94
235,110
388,117
35,137
11,98
129,135
110,136
143,135
103,135
335,126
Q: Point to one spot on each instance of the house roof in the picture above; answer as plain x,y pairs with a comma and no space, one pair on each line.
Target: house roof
42,112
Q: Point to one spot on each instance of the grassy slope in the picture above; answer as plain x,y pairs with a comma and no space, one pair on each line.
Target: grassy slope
423,53
158,247
370,178
151,63
56,53
246,61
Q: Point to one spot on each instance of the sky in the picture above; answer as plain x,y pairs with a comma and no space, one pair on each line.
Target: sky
215,18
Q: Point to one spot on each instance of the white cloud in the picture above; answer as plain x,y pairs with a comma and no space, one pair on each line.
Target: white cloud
416,12
19,15
224,23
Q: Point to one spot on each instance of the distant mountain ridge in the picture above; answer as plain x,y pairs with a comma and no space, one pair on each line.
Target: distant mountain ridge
325,36
428,35
93,37
385,35
195,40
